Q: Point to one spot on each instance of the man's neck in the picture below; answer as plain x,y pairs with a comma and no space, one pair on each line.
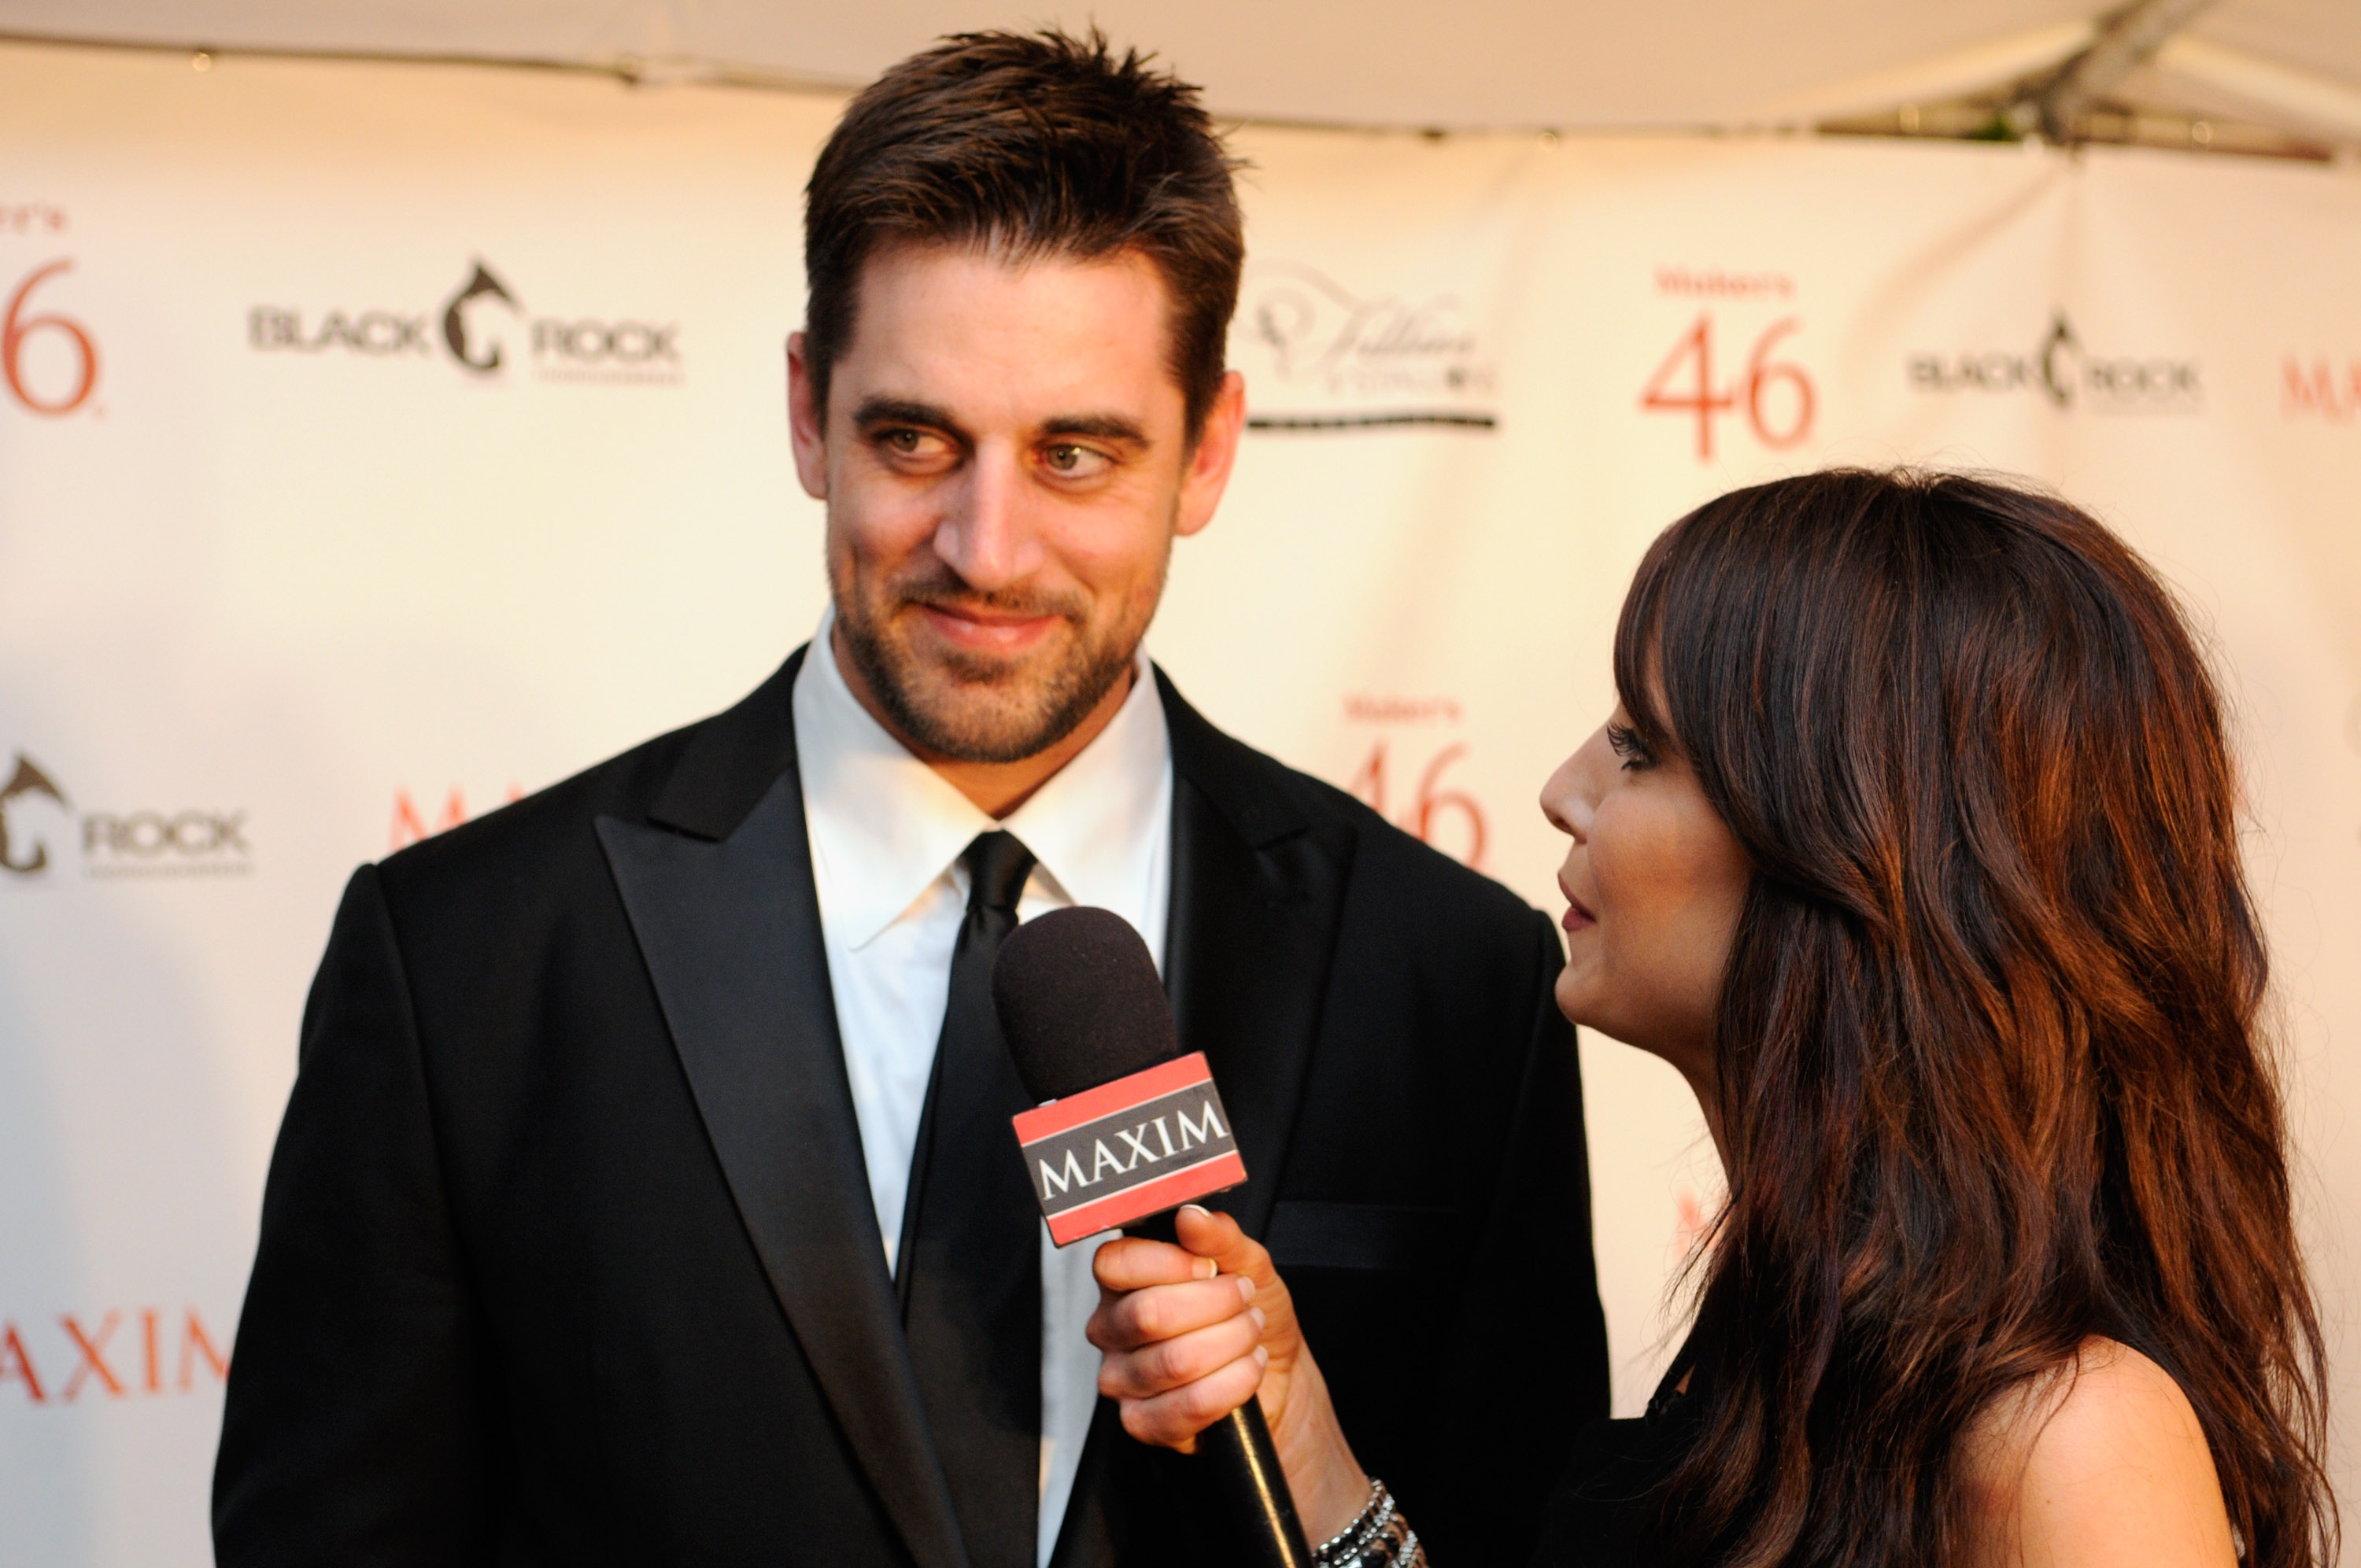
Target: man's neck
996,788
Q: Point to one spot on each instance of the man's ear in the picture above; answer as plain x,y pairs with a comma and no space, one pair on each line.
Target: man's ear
807,421
1207,474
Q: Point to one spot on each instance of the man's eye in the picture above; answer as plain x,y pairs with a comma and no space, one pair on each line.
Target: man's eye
905,442
1069,460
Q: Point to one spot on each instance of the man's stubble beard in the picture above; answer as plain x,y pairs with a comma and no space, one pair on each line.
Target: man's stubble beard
973,709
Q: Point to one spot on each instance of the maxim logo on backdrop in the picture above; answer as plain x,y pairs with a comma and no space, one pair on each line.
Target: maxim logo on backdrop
415,819
1329,357
485,329
2065,372
2320,389
120,1353
40,832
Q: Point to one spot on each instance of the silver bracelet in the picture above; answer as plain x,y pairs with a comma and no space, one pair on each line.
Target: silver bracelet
1379,1538
1331,1551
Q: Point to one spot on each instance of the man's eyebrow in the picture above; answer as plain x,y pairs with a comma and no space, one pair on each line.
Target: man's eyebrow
1102,427
877,411
903,411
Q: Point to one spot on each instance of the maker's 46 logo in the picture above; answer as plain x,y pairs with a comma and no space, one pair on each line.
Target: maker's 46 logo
48,359
1773,393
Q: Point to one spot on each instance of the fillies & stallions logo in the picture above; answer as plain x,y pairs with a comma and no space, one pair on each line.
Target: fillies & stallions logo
41,833
2067,373
485,329
1333,358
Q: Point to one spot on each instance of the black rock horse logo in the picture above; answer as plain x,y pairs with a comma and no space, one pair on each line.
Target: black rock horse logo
455,320
2059,353
27,780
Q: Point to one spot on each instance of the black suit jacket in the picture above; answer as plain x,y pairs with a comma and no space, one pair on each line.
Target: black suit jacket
567,1254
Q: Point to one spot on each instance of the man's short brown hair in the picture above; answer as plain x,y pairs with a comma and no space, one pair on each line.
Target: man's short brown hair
1030,146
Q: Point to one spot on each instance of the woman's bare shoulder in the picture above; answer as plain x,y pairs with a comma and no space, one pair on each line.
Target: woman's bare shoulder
2098,1464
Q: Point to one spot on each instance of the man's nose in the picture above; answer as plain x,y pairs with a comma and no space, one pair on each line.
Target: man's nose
988,537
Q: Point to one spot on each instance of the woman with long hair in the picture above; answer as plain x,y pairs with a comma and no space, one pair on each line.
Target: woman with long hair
1913,846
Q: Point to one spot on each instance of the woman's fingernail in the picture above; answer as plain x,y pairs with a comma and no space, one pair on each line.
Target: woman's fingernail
1262,1356
1261,1321
1197,1209
1205,1268
1246,1286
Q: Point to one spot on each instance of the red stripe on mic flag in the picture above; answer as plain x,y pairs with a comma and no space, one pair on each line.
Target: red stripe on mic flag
1148,1198
1063,1115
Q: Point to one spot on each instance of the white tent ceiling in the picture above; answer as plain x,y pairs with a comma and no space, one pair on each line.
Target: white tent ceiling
2294,65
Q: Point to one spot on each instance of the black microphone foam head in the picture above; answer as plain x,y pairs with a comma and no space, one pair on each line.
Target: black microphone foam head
1080,1002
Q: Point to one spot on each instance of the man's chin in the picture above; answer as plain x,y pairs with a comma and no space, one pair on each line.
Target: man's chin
960,673
1004,714
967,703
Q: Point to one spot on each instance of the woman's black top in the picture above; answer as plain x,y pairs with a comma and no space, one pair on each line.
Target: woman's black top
1617,1474
1602,1506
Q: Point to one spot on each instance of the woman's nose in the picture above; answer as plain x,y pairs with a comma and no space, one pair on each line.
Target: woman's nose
1565,803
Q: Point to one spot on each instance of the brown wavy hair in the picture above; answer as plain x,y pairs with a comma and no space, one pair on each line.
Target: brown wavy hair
1030,145
1990,1070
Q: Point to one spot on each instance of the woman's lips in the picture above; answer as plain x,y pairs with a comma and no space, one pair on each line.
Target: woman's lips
1575,916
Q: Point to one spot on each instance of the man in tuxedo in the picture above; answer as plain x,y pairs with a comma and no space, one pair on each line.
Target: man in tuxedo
647,1192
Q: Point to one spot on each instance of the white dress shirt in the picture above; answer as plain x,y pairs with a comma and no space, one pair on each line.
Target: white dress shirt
886,833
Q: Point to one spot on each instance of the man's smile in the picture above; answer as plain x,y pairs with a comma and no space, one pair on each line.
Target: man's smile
978,629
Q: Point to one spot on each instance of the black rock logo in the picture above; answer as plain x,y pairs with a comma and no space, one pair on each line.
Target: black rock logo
455,320
2060,346
27,780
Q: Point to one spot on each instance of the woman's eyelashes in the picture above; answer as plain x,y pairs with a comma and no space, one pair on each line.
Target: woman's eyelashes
1625,742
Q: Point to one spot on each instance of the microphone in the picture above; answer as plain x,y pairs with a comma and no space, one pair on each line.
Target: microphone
1130,1127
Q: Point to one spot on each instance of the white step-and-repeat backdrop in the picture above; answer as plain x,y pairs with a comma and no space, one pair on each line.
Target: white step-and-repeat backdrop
379,443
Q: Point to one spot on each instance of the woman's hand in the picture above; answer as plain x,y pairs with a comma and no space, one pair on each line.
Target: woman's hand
1191,1332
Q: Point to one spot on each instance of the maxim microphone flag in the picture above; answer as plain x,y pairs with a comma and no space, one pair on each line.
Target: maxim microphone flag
1128,1149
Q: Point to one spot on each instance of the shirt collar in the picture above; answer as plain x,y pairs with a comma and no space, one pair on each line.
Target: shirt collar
884,826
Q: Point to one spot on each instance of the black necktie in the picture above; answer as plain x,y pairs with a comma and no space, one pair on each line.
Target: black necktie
969,1269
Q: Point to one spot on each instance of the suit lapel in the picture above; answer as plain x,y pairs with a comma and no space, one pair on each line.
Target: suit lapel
1257,890
719,888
